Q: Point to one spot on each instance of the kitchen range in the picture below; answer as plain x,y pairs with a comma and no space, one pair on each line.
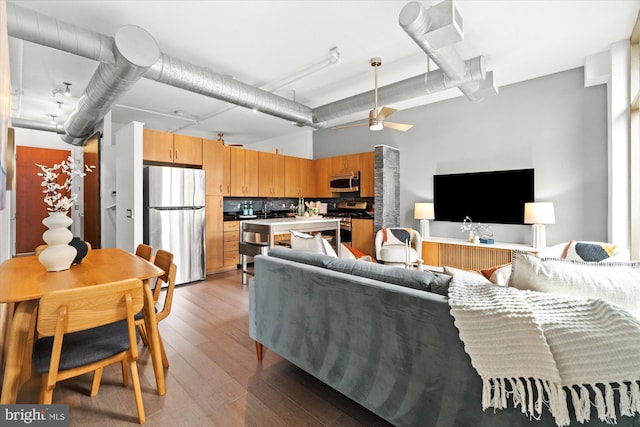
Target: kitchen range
345,212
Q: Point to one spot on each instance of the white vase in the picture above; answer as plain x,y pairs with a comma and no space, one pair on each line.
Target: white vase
58,255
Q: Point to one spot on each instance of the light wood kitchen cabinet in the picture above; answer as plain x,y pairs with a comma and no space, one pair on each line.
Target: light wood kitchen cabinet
226,170
164,147
367,174
271,175
212,164
214,233
322,177
299,177
231,256
346,163
244,172
307,178
362,236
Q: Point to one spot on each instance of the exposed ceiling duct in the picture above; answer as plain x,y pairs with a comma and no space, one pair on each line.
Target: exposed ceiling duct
420,85
135,51
435,30
123,61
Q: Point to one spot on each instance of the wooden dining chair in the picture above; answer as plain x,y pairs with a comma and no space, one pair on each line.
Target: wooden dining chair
163,260
145,251
83,330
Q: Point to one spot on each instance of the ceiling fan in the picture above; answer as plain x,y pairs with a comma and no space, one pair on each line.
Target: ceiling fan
377,118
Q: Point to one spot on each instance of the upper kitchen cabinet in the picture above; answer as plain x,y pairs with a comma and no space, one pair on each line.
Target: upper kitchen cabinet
346,163
213,157
226,170
271,169
299,177
367,174
164,147
244,172
323,177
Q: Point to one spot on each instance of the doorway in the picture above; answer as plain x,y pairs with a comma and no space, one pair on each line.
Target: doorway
30,206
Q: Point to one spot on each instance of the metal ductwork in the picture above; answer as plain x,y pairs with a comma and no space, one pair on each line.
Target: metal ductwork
26,24
135,51
181,74
435,30
423,84
36,125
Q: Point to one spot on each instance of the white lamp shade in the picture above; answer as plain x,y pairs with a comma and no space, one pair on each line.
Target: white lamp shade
423,211
539,213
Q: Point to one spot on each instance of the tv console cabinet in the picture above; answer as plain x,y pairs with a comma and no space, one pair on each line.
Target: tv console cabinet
459,253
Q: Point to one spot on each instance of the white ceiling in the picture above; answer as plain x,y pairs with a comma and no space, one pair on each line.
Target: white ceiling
261,43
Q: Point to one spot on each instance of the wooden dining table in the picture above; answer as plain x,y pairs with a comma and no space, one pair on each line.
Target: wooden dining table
23,281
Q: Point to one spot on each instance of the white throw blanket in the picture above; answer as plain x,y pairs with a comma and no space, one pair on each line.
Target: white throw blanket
539,347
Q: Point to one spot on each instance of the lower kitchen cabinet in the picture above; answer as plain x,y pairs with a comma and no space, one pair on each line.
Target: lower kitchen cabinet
362,236
214,233
231,256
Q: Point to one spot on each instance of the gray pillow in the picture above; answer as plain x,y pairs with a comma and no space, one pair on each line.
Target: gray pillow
398,276
310,258
440,285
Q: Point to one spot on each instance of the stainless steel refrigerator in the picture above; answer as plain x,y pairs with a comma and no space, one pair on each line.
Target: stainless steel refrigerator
174,217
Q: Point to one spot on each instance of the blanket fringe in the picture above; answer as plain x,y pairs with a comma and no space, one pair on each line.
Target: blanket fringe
495,394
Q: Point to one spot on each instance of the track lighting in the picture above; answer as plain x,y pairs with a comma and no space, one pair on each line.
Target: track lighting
59,109
53,119
67,90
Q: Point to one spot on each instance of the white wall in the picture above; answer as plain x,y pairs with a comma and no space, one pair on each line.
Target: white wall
298,145
552,124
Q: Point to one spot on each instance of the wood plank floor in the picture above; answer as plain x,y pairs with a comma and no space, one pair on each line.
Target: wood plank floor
214,378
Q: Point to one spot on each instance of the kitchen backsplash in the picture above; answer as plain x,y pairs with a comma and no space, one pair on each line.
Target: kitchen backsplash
234,204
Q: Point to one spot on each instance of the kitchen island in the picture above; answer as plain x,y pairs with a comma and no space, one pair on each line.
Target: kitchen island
258,235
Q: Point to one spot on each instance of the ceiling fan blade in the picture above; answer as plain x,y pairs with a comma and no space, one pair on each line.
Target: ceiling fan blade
350,126
385,112
397,126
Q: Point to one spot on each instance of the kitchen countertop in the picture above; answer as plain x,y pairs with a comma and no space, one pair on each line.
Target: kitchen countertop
289,220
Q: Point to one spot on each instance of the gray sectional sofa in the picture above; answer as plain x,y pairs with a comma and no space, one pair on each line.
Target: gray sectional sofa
382,336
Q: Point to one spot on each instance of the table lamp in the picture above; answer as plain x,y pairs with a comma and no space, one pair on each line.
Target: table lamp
538,214
424,212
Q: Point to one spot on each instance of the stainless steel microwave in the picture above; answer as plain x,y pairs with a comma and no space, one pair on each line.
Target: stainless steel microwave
346,182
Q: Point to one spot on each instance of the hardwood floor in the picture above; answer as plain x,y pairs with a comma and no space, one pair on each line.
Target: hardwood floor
214,378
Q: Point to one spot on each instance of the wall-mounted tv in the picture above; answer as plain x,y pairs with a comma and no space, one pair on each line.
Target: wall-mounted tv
496,197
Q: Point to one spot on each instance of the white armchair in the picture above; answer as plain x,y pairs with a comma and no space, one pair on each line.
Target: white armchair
399,246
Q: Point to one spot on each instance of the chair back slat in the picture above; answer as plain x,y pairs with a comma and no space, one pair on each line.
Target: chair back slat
145,251
90,306
163,260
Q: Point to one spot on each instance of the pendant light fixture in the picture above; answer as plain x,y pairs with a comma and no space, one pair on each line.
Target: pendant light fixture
67,89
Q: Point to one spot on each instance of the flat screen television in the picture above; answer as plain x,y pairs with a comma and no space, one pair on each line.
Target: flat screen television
496,197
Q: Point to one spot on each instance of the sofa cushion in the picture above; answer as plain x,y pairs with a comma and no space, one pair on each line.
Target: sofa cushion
398,276
440,285
617,283
311,258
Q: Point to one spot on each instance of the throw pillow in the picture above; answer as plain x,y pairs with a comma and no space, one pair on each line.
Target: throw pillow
468,275
311,243
395,236
498,275
349,252
589,251
616,283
